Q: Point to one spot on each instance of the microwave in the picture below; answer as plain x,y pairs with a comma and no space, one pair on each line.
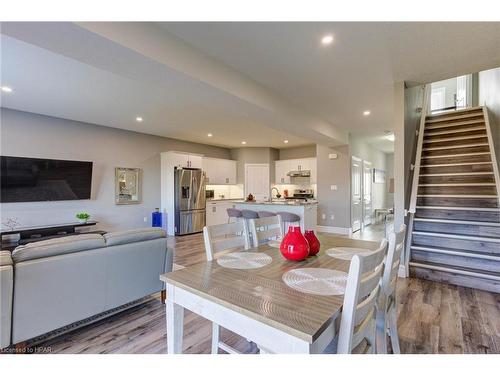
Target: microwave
209,194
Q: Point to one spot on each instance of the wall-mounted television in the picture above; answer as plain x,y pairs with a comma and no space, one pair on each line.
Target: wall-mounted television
36,180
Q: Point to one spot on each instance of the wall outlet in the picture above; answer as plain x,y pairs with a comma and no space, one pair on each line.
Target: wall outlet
145,219
323,216
333,187
332,217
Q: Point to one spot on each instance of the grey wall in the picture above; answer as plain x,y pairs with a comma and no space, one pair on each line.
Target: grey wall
365,151
297,152
31,135
334,172
489,95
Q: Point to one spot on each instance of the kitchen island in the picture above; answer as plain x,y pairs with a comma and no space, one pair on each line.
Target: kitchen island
306,210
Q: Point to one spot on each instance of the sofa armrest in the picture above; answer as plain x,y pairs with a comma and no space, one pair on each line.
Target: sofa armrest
169,260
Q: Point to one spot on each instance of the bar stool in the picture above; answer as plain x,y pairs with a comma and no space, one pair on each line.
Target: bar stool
233,213
248,215
288,218
266,214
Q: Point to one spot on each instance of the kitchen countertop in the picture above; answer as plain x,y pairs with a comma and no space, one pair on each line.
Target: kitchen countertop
223,199
281,202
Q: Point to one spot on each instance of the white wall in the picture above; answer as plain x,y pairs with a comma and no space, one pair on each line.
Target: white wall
31,135
489,96
389,166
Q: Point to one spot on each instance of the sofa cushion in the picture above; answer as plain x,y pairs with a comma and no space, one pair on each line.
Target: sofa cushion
57,246
5,258
133,235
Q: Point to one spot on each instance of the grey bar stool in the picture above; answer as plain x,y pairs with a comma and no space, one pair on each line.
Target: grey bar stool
247,215
266,214
233,213
288,219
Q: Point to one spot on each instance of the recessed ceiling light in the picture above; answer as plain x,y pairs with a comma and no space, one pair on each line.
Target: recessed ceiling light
6,89
366,113
243,142
327,39
209,135
285,141
138,119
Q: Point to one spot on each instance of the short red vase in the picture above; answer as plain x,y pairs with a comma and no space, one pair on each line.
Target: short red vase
313,241
294,245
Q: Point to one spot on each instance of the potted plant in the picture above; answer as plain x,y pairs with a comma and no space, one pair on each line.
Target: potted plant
82,217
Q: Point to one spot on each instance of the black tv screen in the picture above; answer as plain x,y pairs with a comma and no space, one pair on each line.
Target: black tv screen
35,180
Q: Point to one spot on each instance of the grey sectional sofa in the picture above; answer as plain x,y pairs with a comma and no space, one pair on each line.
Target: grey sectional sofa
49,284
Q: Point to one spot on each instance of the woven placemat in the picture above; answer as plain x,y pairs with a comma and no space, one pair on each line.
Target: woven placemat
244,261
320,281
346,253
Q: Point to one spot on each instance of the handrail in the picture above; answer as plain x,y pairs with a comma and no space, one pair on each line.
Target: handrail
492,151
418,154
405,257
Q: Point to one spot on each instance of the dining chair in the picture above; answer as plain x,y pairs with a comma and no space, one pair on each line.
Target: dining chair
357,325
357,330
265,229
220,238
387,307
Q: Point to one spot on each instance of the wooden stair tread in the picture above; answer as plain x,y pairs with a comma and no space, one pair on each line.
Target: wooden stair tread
435,126
474,128
460,116
457,252
487,209
459,270
467,222
458,236
455,111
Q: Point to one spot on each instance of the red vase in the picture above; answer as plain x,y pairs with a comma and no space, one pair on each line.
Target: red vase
313,241
294,245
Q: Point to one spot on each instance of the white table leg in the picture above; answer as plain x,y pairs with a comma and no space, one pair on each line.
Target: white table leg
175,325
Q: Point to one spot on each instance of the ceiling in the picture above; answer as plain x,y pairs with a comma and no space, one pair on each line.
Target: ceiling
258,82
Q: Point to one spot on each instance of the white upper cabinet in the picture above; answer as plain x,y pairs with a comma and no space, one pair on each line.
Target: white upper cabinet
219,171
184,160
282,167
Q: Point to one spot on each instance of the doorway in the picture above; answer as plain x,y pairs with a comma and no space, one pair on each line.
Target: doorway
367,193
257,181
356,194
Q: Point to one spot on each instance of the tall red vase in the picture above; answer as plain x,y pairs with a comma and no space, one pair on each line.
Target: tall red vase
294,245
313,241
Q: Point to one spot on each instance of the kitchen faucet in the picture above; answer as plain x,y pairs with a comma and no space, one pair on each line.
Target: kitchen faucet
278,195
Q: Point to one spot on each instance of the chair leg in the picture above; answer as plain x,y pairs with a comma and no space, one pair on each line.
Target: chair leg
381,333
215,338
393,329
163,296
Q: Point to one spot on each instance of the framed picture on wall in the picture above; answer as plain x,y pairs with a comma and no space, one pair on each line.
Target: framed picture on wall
378,176
127,185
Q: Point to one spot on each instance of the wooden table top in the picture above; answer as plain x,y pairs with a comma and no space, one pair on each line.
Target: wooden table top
262,295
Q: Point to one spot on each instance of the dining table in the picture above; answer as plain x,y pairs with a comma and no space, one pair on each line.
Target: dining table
256,303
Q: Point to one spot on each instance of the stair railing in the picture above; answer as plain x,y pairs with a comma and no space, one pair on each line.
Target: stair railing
492,152
416,176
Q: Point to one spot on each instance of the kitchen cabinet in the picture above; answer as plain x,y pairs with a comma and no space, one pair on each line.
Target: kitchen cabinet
219,171
282,167
184,160
217,212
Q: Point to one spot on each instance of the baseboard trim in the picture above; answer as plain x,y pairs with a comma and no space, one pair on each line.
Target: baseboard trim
336,230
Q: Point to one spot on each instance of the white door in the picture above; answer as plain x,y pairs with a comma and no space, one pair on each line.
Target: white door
367,193
257,181
356,194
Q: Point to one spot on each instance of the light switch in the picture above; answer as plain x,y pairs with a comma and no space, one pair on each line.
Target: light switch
323,216
333,187
333,156
145,219
332,217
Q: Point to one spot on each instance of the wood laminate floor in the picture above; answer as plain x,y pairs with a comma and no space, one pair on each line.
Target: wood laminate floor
433,318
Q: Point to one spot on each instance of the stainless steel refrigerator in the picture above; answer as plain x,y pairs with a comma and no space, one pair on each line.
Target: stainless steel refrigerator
189,200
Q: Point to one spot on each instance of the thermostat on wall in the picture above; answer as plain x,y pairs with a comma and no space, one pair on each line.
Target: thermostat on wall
333,156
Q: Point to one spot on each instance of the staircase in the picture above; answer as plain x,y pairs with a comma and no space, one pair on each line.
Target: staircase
455,234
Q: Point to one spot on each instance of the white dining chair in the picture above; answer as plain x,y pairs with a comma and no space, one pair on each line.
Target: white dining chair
219,239
223,237
387,307
265,229
357,328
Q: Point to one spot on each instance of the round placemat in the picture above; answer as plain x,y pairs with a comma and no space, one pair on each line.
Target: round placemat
321,281
346,253
274,243
244,261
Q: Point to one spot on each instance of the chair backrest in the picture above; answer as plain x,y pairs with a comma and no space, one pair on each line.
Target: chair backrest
264,229
362,290
223,237
396,247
